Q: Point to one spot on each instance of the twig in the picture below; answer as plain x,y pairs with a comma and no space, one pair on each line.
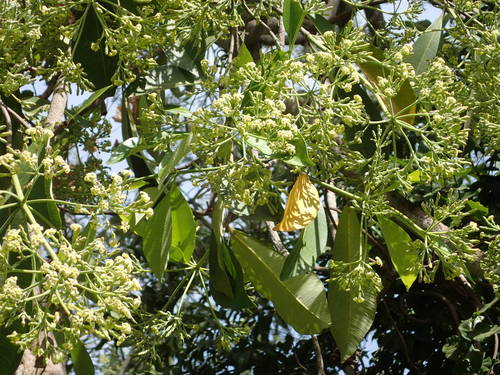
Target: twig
13,113
124,365
402,339
276,240
319,357
273,35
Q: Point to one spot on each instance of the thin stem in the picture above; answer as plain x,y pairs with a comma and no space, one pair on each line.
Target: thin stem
29,214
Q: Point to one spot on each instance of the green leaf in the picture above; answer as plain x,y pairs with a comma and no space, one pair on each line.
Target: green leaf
321,23
171,159
10,355
403,257
427,45
477,208
350,320
244,57
89,101
300,159
415,176
123,150
310,245
293,16
157,237
404,99
226,277
183,227
176,110
82,363
98,66
48,212
299,301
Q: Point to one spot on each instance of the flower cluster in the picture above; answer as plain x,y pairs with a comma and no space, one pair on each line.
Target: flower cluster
89,288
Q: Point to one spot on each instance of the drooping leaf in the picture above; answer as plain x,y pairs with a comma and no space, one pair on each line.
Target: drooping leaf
427,45
244,57
183,227
157,237
403,257
350,320
321,23
171,159
82,363
301,207
403,103
10,354
299,301
98,67
293,16
226,277
310,245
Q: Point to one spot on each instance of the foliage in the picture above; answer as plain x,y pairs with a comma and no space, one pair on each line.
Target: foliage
226,110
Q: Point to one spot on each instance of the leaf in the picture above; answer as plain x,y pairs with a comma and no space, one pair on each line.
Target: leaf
244,57
310,245
89,101
176,110
158,237
10,355
427,45
183,227
403,257
405,97
415,176
171,159
98,66
477,208
299,301
350,320
123,150
293,16
82,363
48,211
321,23
301,207
300,159
226,277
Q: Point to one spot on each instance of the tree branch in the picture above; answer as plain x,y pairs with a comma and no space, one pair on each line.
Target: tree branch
319,357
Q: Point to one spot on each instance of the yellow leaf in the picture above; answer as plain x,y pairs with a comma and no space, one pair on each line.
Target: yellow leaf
302,206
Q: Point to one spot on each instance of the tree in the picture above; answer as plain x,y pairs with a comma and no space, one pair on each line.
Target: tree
301,174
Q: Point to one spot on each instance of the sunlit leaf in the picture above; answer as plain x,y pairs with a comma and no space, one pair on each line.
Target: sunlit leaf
183,227
293,16
310,245
350,320
299,301
301,207
157,237
404,258
427,45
